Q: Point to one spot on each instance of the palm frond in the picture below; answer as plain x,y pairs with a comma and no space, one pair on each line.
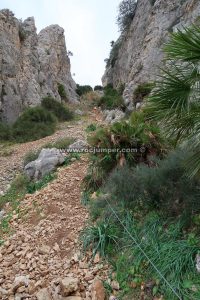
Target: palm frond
185,45
175,92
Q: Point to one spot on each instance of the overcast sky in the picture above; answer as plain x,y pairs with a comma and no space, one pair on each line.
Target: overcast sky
89,26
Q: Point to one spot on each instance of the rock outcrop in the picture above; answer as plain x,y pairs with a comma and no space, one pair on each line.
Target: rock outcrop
46,162
141,52
113,116
32,65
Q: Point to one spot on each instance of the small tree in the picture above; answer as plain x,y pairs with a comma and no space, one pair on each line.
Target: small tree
69,53
126,13
98,88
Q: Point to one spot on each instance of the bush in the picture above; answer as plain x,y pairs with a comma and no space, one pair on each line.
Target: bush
101,237
22,34
16,191
110,62
91,127
5,132
20,186
164,187
111,99
98,88
121,88
142,137
90,99
58,109
164,242
62,92
83,89
127,10
170,251
33,124
142,91
152,2
32,187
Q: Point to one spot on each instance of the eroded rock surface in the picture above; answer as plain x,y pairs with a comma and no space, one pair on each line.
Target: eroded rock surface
46,162
141,52
32,65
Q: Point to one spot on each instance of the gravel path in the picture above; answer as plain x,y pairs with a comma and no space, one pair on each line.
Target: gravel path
12,164
40,258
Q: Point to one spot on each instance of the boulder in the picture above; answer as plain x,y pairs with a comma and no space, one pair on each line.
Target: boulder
113,116
68,286
79,112
44,249
115,285
46,162
98,290
19,282
43,294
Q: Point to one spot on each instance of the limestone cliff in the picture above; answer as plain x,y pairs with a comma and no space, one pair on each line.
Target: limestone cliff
31,65
140,52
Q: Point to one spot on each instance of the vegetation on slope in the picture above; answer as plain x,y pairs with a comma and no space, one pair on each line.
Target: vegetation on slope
37,122
147,210
111,99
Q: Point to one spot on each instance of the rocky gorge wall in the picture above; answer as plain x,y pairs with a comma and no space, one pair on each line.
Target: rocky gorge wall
31,65
140,52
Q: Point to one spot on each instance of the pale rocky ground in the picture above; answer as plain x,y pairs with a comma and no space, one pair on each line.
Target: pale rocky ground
41,257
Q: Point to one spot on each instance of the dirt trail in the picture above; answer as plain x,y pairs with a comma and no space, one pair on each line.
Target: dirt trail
12,164
43,247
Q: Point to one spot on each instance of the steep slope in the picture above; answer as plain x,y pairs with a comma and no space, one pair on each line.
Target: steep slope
140,52
31,66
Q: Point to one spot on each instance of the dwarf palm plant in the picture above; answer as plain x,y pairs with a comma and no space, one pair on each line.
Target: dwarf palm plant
175,102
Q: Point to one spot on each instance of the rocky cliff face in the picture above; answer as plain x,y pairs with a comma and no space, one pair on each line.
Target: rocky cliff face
140,52
31,66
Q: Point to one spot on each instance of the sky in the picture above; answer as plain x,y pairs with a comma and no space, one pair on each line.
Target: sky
90,26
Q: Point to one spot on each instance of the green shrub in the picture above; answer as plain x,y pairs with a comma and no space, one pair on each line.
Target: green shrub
152,2
85,198
62,92
110,62
83,89
142,138
58,109
16,191
98,88
101,237
32,187
22,34
163,187
165,243
171,252
33,124
94,179
5,132
142,91
111,99
127,10
91,127
121,88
